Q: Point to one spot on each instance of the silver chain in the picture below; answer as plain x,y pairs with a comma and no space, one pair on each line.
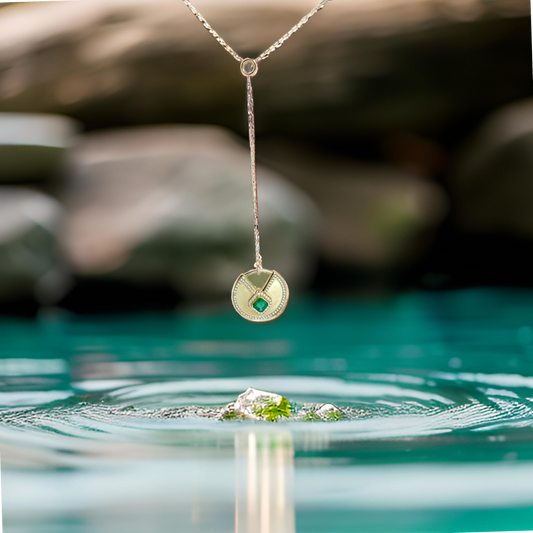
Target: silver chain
208,27
251,132
249,73
292,31
268,51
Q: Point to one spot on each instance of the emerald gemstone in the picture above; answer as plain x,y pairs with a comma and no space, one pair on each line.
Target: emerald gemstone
260,305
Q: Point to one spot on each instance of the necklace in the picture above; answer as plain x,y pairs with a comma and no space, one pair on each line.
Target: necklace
259,295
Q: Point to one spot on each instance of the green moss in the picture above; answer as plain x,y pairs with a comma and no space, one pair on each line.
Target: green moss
230,415
333,416
272,411
330,416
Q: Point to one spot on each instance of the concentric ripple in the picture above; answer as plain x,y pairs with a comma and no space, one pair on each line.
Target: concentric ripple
377,407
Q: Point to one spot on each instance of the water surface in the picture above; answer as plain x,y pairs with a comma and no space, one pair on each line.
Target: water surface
109,424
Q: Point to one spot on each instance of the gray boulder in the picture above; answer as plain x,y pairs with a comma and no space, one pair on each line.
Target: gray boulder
375,216
493,180
32,146
30,223
173,204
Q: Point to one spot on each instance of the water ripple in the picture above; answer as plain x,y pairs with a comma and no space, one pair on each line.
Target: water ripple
376,408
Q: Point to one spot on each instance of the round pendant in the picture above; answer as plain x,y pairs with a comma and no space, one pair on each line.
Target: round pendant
260,296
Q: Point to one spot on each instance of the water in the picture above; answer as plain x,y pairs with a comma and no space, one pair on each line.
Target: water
111,424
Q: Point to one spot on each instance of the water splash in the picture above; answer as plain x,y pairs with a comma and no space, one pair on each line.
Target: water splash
366,409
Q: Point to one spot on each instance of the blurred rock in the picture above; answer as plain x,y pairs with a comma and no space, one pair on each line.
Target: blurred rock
29,227
173,204
493,182
358,68
32,146
374,215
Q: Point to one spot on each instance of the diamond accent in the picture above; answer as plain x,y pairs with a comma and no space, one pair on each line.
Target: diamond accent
249,67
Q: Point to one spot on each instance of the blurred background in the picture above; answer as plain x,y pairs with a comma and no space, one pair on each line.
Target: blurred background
394,137
395,142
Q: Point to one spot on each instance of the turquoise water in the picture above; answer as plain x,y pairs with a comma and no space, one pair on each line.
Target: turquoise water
107,422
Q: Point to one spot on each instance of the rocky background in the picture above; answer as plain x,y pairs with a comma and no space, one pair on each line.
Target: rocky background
394,136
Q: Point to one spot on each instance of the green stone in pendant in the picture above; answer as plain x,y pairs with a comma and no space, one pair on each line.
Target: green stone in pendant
260,305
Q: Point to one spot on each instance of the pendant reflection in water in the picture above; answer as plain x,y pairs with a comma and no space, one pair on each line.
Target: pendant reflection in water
264,499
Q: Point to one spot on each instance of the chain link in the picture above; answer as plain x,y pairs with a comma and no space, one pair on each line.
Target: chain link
292,31
278,44
208,27
255,202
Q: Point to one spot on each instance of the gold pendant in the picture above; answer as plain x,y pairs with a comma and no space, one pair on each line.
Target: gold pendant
260,295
